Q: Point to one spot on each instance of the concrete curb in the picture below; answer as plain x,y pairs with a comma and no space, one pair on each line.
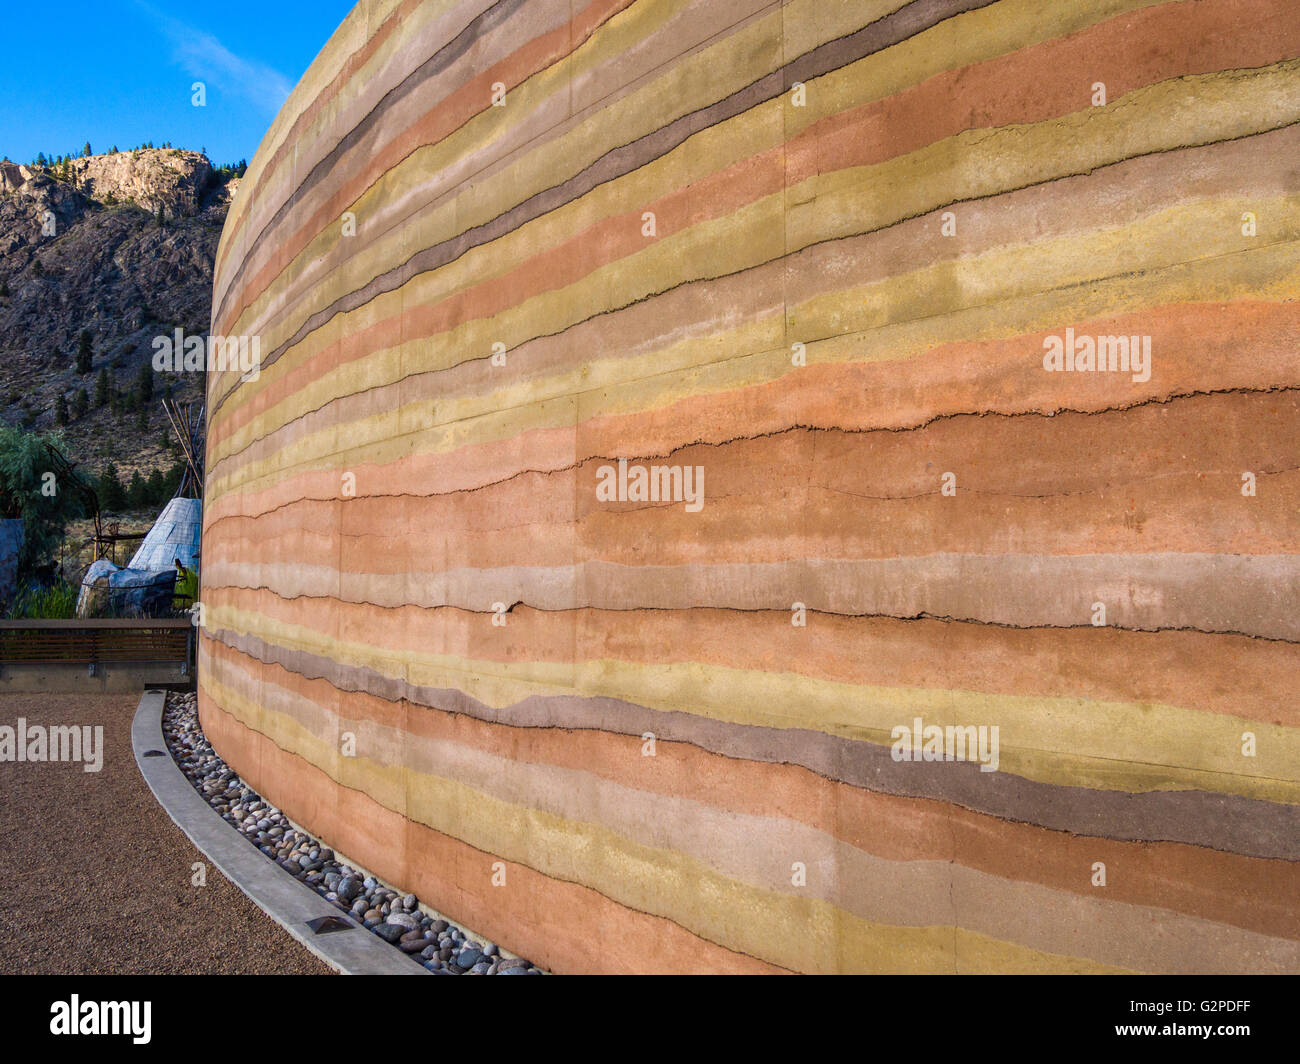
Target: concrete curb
289,903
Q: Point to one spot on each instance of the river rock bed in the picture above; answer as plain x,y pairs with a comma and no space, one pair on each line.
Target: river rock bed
439,945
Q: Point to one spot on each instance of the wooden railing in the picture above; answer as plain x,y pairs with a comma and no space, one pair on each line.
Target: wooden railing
88,642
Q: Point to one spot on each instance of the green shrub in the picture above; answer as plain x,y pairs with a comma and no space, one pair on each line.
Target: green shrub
187,587
25,459
53,603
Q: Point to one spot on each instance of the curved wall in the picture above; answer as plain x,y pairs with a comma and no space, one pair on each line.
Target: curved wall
823,252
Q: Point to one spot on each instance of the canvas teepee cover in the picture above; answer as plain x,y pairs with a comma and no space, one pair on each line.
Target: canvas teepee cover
174,536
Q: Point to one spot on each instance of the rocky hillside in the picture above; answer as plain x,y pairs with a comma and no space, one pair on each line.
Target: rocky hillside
105,253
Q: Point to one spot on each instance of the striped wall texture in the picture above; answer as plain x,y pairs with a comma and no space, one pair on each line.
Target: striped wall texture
817,249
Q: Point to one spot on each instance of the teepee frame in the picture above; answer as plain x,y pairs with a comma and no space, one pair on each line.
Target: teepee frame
187,423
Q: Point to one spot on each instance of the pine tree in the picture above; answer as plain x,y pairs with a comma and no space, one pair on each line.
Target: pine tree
4,289
85,351
144,382
137,492
86,152
162,216
80,404
157,485
61,409
112,496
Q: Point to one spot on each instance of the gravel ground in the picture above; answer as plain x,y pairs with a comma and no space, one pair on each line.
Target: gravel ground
97,878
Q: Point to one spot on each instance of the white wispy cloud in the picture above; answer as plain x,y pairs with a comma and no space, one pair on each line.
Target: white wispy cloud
203,57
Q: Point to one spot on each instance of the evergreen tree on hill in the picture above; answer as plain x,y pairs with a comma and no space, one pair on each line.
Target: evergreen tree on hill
144,382
112,496
137,492
85,351
157,485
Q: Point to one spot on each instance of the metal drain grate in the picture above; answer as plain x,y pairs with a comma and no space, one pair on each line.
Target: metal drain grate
324,925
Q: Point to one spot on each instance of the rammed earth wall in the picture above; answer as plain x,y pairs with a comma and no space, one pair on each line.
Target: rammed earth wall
818,252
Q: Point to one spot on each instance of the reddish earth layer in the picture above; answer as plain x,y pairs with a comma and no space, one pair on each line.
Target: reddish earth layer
562,926
1025,485
997,376
1116,52
1251,167
1227,822
1227,888
1231,675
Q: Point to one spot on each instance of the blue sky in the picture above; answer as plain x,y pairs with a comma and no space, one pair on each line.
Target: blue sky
119,72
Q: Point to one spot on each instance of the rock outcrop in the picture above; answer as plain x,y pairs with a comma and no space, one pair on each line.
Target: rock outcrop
13,176
169,179
84,251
